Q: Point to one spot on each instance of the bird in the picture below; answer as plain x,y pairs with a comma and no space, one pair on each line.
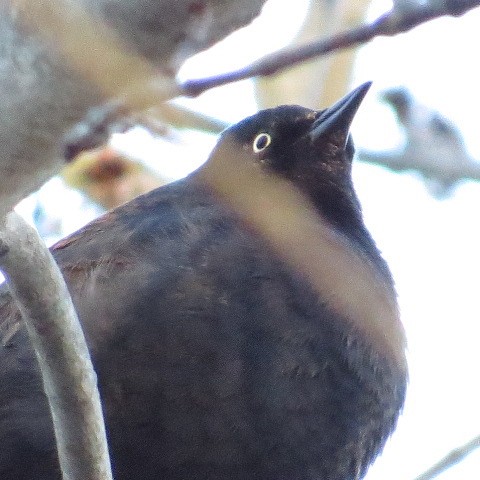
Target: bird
434,146
216,358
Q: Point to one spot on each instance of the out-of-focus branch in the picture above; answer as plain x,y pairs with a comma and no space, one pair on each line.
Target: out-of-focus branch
115,70
101,122
396,21
68,376
110,178
451,459
59,60
403,161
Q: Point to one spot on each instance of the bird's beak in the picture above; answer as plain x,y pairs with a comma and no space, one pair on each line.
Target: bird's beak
334,123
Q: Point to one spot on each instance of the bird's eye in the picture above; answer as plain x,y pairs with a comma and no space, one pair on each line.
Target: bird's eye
261,142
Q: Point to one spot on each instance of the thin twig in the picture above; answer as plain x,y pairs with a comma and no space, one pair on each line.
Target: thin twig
69,379
391,23
451,459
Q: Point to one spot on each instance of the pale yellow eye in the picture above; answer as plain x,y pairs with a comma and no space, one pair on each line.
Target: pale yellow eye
261,142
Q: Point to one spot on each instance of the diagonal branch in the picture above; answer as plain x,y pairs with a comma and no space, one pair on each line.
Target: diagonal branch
451,459
395,21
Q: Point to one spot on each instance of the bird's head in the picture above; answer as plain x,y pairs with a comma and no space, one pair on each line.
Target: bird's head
313,150
401,101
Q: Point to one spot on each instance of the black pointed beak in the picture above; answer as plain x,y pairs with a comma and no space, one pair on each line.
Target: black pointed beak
336,120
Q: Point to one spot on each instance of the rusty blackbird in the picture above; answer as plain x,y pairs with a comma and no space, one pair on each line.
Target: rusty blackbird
216,358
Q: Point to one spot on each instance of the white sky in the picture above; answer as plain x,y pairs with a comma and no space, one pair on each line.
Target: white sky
432,246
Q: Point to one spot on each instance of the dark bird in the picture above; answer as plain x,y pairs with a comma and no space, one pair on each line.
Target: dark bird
216,359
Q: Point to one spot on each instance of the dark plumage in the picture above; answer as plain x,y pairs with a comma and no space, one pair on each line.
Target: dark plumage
215,359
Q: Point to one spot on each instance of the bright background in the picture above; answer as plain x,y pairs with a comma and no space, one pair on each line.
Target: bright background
431,246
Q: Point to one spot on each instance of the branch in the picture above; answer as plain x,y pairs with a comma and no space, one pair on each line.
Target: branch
100,122
60,60
114,69
451,459
69,379
396,21
469,169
